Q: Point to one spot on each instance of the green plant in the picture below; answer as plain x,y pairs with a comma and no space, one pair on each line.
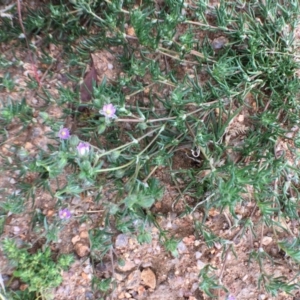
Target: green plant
39,271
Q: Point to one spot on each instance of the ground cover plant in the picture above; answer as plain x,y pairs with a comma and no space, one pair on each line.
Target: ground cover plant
126,100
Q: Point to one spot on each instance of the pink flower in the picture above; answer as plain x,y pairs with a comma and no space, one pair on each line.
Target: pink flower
108,111
64,214
64,133
83,148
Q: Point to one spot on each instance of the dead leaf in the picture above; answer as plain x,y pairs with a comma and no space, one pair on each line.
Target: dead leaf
130,31
84,234
86,88
149,278
75,239
85,276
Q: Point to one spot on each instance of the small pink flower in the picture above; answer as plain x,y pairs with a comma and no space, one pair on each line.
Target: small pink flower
108,111
64,133
83,148
64,214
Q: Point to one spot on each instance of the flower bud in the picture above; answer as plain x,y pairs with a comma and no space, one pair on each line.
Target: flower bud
101,128
115,155
74,140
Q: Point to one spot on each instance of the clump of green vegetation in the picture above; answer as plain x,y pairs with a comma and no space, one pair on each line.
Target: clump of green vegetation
39,271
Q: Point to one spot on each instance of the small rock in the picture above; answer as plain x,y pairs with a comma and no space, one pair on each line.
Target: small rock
146,264
245,278
121,241
219,42
86,276
197,243
200,264
89,295
75,239
195,287
266,240
34,101
81,249
141,290
181,247
133,280
119,276
198,254
11,180
289,135
149,278
127,266
241,118
121,295
88,269
15,285
262,297
189,240
16,229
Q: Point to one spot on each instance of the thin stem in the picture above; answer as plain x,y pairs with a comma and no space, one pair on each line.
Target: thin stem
207,25
139,91
233,242
136,141
116,168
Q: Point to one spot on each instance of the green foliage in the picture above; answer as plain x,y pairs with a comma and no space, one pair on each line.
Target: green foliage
208,281
38,270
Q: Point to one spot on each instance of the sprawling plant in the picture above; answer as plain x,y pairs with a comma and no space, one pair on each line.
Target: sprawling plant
219,83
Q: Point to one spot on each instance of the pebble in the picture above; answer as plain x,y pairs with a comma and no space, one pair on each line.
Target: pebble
127,266
181,247
15,285
121,241
89,295
133,280
16,229
34,101
245,277
200,264
147,264
198,254
141,290
197,243
81,249
195,287
11,180
219,42
119,276
266,240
